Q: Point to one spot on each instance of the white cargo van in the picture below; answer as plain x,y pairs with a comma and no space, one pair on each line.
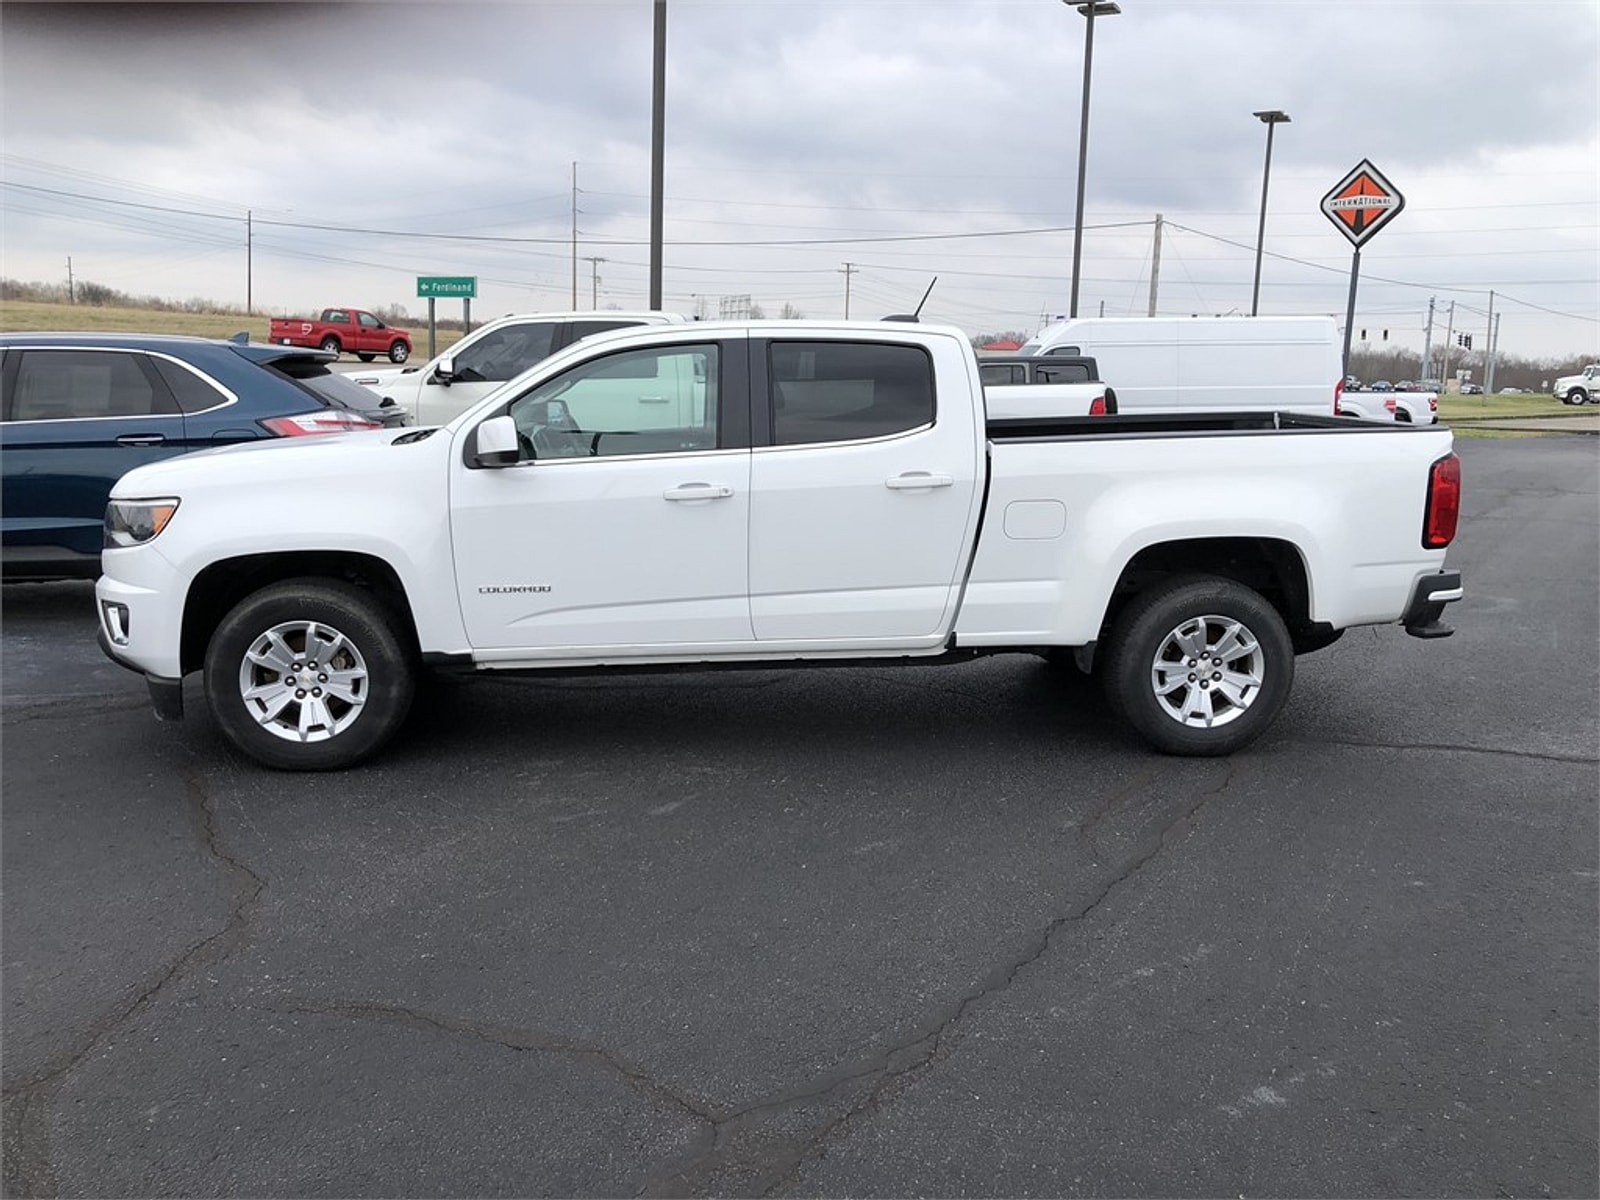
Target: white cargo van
1199,364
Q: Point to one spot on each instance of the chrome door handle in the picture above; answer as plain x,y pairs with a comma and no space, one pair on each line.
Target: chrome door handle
141,439
698,491
918,479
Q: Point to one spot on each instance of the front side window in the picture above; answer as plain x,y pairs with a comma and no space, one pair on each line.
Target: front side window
504,353
845,391
63,385
656,401
368,321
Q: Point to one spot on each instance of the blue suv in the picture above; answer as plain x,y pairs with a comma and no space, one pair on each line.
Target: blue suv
79,410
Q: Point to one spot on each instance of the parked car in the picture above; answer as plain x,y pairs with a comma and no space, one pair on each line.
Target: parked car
1472,389
1381,385
80,410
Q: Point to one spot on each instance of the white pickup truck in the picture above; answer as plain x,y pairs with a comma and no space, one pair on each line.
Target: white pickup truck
775,493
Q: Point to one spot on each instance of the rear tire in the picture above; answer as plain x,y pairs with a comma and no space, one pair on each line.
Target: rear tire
331,344
366,356
1199,666
309,675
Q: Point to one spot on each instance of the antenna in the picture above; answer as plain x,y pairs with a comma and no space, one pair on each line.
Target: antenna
917,315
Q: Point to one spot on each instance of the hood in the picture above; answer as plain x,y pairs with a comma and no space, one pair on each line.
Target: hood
337,461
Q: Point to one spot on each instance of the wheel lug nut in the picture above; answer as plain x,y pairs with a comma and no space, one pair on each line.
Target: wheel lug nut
1191,676
316,691
299,694
1205,683
1216,674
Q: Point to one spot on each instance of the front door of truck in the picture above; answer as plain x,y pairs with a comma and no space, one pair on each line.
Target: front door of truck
623,529
865,501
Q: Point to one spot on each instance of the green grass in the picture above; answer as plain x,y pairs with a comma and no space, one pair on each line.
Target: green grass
1468,408
27,316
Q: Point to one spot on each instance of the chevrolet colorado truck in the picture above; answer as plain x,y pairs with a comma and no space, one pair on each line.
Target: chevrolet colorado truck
776,494
343,331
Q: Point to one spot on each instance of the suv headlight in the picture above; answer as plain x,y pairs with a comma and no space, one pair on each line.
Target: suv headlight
134,522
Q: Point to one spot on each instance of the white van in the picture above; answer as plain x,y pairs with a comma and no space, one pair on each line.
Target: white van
1198,364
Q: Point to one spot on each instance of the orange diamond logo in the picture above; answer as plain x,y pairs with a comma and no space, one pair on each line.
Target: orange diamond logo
1362,203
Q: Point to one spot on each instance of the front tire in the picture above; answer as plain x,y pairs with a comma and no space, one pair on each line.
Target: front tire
309,675
1199,666
1577,396
399,352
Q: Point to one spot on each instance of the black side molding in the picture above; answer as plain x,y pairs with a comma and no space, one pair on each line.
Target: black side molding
1428,599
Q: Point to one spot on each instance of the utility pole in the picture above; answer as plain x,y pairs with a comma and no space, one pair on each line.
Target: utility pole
594,279
1488,338
1444,362
1427,347
574,236
72,295
1155,267
849,270
249,260
1494,350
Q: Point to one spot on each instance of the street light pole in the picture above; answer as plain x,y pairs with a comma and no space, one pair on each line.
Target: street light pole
1090,9
1270,118
658,125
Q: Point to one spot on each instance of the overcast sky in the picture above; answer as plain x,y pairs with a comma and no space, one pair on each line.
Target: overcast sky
374,142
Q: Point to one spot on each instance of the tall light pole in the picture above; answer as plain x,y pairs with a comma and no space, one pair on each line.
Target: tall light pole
1270,118
1090,10
658,126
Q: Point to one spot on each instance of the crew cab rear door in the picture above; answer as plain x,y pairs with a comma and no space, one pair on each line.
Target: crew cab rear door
864,491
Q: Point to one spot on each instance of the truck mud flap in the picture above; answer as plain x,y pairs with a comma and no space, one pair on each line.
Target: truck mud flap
1428,598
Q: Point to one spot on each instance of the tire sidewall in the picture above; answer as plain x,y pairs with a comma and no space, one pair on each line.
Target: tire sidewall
399,352
1146,623
359,617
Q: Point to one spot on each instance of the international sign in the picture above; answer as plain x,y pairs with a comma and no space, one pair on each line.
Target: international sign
447,285
1362,203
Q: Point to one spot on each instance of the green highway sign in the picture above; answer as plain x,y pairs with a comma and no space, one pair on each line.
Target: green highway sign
447,285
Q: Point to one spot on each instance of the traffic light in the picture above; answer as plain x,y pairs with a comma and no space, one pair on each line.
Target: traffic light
1464,340
1469,341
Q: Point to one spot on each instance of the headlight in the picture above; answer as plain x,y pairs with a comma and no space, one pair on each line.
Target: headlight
134,522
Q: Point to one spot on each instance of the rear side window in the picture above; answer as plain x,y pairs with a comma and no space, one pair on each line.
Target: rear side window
998,374
64,385
194,393
1062,373
845,391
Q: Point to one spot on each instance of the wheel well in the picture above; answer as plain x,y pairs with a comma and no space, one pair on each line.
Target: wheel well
1268,566
223,584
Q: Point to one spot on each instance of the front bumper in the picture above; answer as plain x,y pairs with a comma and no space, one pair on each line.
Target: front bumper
1428,598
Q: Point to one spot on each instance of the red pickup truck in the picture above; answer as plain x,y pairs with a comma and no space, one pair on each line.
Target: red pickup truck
340,330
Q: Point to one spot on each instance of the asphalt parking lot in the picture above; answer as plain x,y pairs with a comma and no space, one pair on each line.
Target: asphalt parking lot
863,932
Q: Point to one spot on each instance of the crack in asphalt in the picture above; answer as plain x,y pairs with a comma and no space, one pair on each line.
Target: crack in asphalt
521,1041
1581,760
917,1049
28,1167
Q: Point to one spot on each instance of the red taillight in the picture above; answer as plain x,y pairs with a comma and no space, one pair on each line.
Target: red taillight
1433,404
327,421
1097,407
1338,390
1389,404
1444,503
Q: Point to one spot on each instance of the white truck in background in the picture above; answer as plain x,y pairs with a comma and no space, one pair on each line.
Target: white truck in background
453,381
817,493
1580,388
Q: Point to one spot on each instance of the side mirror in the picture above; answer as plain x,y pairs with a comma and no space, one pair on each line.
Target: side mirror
446,370
497,443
